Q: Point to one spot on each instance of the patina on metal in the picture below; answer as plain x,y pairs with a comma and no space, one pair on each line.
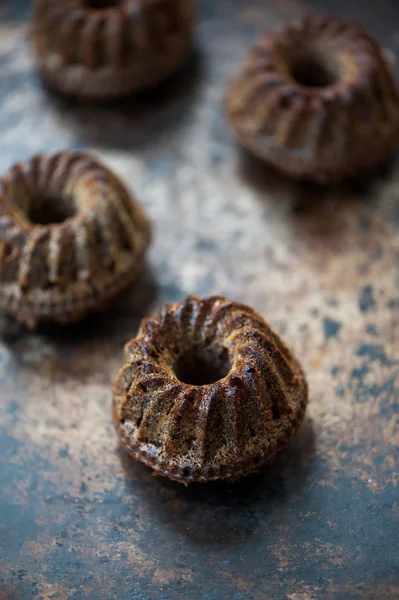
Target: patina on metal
78,519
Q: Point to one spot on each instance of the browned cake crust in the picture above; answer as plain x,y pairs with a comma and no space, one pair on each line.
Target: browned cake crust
103,49
71,237
317,100
208,391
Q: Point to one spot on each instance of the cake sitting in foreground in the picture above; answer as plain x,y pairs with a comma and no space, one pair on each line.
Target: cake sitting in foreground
317,100
207,392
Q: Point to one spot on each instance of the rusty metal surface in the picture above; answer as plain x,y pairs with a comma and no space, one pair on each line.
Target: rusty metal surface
80,520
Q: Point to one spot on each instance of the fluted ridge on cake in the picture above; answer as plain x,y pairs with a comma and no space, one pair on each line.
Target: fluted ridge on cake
69,234
217,430
114,51
318,128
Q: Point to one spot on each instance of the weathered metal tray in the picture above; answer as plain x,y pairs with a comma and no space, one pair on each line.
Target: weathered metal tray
78,519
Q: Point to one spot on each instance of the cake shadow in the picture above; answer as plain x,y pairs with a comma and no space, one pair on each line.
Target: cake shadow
323,204
118,320
228,513
135,121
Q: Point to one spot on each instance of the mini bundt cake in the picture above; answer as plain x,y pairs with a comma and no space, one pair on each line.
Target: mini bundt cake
71,237
208,392
317,101
103,49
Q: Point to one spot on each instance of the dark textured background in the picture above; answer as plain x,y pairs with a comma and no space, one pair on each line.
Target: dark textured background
80,520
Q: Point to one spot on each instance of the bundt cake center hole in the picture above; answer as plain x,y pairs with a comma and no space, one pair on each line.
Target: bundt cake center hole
313,71
100,4
201,367
47,210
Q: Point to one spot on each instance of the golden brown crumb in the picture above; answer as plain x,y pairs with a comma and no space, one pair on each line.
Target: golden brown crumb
208,391
71,237
317,100
102,49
